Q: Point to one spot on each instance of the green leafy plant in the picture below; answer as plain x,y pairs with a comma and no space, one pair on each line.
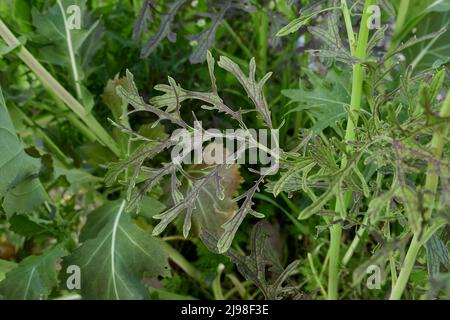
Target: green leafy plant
93,204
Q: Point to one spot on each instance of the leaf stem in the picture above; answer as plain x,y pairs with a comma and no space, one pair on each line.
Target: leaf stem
359,234
58,90
316,276
399,23
401,16
348,26
237,39
49,142
181,261
262,39
216,284
76,77
405,272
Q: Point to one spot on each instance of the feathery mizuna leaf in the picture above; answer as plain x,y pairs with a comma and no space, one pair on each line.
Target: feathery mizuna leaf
254,89
253,267
292,173
131,95
231,226
174,95
205,39
143,19
165,29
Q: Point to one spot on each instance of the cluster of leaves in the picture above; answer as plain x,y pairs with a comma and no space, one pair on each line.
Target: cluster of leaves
106,199
47,189
212,177
203,40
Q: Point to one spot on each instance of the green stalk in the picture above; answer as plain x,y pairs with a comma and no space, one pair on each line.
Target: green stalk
355,104
262,36
59,91
217,285
401,16
405,272
49,142
437,146
73,64
316,276
348,26
431,184
391,255
181,262
359,234
399,23
237,39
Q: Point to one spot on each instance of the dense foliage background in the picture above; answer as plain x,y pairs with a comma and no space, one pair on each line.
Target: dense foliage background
358,210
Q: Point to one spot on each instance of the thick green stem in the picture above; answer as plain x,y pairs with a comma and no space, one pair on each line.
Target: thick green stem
431,184
58,90
408,264
401,18
333,267
399,23
355,104
359,234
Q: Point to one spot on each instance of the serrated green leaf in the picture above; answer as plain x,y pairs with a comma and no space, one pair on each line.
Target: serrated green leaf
113,261
5,267
34,278
29,225
20,187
